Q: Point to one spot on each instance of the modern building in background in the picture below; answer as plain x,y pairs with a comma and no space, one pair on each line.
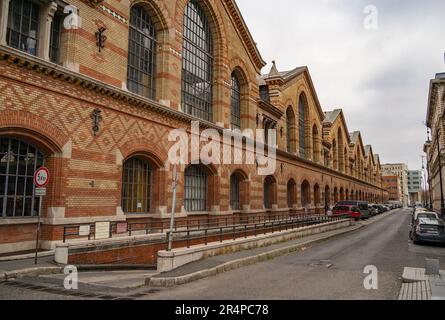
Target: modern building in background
392,185
435,144
415,187
401,171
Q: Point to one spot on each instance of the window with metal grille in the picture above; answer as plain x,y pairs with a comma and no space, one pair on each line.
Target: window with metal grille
23,26
197,63
54,44
235,192
302,125
18,162
141,53
195,195
136,186
290,130
236,103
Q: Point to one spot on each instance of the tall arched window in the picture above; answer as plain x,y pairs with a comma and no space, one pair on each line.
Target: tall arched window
18,162
291,192
235,201
269,192
290,130
141,53
305,193
195,189
302,125
197,63
236,102
136,186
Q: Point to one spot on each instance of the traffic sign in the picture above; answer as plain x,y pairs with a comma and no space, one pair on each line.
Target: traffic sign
41,177
40,192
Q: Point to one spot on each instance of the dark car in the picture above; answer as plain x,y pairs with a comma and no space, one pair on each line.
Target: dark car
362,205
428,230
347,210
381,209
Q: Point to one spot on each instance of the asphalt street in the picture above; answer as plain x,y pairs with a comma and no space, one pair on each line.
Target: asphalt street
333,269
329,270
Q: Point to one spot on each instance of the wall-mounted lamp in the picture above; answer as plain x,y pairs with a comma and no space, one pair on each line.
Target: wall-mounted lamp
101,38
97,118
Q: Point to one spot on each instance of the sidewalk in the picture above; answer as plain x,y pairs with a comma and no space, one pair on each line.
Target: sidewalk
419,286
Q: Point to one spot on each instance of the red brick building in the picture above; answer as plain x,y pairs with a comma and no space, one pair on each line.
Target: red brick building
92,89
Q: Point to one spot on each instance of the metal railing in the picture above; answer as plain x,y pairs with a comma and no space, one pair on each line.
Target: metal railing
192,225
234,232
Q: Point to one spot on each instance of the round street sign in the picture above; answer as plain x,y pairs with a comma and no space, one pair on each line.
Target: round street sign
41,177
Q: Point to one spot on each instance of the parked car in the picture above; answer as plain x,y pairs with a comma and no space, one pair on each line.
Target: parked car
362,205
425,214
380,208
347,210
428,230
372,210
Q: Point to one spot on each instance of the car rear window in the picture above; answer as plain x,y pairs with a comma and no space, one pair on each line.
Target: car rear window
363,206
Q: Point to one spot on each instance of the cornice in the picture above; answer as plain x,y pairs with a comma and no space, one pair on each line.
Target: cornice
244,32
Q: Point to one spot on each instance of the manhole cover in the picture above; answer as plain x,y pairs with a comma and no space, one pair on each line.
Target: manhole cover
322,263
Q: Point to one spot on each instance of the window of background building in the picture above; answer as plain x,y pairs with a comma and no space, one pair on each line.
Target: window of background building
136,186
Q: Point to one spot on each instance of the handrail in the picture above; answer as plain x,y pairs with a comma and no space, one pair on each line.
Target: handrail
257,228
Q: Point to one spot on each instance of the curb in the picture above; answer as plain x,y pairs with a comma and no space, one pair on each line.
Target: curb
27,256
239,263
37,271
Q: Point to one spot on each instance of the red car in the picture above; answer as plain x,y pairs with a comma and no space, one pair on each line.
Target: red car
347,210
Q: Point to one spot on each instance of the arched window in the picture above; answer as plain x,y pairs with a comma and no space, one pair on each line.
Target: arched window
24,26
235,199
18,162
136,186
197,63
305,194
141,53
291,192
195,189
317,197
302,125
290,130
269,192
236,102
315,144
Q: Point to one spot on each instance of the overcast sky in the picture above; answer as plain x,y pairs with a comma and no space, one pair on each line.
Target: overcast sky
379,77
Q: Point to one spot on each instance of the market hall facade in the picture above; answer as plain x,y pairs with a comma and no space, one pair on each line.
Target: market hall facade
92,90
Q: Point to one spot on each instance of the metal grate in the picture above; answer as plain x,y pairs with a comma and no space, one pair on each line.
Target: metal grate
23,26
236,103
301,124
235,192
197,64
18,162
136,186
141,53
195,199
